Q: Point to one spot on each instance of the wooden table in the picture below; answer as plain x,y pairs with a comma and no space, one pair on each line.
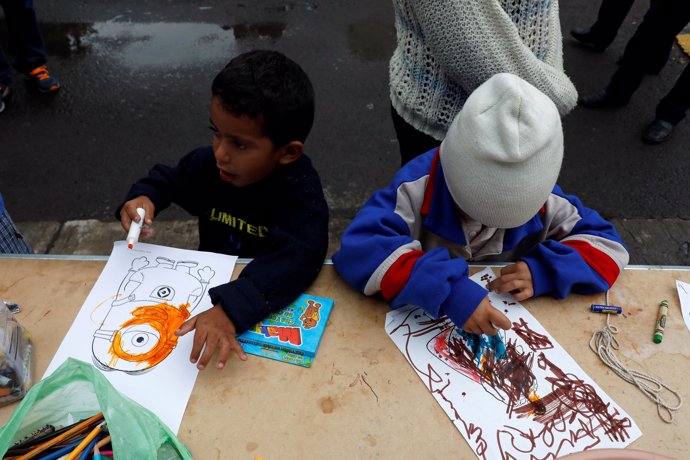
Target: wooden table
361,399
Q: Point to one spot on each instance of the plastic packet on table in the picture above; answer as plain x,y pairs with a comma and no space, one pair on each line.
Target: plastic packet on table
15,357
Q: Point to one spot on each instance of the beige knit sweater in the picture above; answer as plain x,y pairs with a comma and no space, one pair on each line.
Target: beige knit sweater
447,48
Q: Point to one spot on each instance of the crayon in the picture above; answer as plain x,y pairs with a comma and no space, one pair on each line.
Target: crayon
661,321
60,453
103,442
86,441
76,429
606,309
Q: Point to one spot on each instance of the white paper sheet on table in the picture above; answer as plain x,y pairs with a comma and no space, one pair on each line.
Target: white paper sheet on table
125,326
534,401
684,295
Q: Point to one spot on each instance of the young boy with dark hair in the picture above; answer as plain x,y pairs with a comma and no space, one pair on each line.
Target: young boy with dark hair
488,193
255,193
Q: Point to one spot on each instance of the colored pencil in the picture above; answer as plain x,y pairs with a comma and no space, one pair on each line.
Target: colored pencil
83,426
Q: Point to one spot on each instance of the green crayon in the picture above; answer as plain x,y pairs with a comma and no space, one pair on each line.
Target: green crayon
661,321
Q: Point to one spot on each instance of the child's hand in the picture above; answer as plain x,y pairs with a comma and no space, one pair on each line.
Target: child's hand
129,213
217,332
515,279
486,319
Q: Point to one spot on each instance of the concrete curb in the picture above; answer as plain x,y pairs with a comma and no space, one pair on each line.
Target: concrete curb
650,241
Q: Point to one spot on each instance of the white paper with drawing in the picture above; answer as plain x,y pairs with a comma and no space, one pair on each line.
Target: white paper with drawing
517,395
684,296
126,325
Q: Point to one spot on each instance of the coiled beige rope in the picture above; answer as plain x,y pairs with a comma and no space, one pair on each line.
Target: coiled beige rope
603,343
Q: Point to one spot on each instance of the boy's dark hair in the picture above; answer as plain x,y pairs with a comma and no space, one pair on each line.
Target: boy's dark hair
270,85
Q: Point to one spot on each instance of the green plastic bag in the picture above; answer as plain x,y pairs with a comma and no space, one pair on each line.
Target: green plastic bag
79,389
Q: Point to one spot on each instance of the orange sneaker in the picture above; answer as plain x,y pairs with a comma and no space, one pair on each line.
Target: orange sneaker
41,80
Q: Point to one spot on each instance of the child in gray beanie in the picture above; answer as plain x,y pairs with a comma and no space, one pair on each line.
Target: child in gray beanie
487,194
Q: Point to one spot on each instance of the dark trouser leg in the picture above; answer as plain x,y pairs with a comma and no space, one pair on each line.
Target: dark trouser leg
26,42
652,41
5,71
674,105
611,16
411,141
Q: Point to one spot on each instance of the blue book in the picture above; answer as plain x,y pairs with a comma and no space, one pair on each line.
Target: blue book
292,334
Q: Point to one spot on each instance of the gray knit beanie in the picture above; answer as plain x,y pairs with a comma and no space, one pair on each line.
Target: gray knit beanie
502,153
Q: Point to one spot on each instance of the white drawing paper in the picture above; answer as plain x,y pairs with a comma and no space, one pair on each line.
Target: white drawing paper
684,295
126,325
516,395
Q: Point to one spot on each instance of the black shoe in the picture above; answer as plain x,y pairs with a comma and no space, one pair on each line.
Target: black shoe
600,99
586,37
657,132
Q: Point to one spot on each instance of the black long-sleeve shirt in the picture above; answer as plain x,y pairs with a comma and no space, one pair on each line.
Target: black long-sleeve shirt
281,222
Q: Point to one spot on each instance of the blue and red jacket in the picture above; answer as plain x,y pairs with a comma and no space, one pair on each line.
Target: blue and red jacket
411,244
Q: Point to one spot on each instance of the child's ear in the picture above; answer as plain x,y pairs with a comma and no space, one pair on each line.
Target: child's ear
290,152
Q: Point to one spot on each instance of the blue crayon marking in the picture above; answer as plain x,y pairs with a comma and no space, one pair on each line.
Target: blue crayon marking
482,343
606,309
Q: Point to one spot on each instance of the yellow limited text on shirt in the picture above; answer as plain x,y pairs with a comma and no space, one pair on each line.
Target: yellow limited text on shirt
235,222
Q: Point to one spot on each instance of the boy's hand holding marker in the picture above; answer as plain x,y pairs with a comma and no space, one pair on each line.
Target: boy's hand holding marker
130,213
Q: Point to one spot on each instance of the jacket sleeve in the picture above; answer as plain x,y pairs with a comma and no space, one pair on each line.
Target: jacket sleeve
297,249
379,254
583,252
166,184
475,39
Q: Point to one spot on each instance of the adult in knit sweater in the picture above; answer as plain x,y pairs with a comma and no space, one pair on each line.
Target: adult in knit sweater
448,48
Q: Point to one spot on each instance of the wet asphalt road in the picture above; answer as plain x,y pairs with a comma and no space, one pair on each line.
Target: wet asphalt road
136,87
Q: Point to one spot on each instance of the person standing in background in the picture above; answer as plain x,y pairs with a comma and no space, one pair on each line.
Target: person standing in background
601,34
653,40
26,45
448,48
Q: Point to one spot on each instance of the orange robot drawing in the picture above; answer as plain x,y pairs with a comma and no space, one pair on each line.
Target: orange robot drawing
153,300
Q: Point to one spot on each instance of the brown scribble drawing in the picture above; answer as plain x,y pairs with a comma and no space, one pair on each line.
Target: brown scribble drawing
507,377
437,383
571,417
486,278
572,396
532,339
474,434
573,409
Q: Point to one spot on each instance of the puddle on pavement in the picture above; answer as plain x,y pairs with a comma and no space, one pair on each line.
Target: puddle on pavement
137,45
